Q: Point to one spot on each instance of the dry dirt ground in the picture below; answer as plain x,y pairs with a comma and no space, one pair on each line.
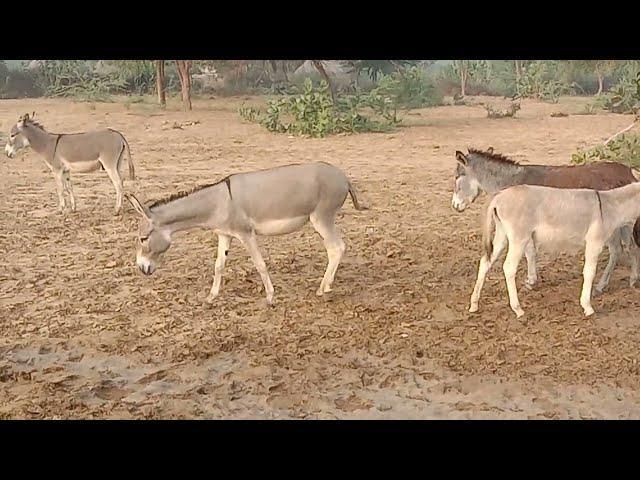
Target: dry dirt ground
83,334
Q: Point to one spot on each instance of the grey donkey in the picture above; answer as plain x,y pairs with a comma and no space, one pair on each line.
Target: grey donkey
275,201
556,219
491,172
78,152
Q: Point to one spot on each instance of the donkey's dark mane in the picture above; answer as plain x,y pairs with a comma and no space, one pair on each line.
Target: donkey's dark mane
493,156
177,195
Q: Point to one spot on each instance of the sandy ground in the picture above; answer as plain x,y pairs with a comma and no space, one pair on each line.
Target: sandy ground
83,334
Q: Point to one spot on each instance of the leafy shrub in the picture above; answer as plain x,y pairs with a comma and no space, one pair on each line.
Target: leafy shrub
624,97
18,84
409,88
311,112
624,149
589,109
536,82
509,112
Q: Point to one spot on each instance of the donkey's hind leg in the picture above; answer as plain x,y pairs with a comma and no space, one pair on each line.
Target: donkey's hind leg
615,249
499,243
325,226
510,268
634,254
116,179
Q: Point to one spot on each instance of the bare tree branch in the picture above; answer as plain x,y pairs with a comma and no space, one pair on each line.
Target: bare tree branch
318,65
622,131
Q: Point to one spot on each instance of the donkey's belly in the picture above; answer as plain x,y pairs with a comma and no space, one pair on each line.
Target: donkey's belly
281,226
558,239
81,167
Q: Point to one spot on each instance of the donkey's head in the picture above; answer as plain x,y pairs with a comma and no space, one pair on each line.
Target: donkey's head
467,186
153,239
17,138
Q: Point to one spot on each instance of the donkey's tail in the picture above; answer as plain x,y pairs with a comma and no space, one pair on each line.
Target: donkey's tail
127,151
354,198
487,232
132,170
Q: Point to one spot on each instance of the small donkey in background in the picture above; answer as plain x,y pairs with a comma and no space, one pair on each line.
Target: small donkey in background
77,152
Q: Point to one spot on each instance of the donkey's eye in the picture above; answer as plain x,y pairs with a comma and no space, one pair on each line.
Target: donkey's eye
144,239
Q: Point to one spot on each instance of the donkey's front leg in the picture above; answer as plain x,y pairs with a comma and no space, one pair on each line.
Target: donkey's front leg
224,241
532,265
591,254
249,241
510,268
66,178
59,178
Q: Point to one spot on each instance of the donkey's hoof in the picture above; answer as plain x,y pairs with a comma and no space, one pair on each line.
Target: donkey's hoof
320,292
473,308
210,299
519,312
598,291
588,312
530,285
633,282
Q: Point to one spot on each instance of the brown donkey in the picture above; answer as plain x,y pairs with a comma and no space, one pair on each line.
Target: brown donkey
490,172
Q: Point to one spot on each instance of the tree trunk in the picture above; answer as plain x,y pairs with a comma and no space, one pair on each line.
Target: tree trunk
323,72
463,82
274,68
600,82
518,74
160,83
185,82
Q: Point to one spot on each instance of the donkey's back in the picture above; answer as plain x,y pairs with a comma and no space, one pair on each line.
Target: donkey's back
597,176
91,145
289,191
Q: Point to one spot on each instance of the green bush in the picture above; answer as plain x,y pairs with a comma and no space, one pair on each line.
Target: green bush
624,149
624,97
538,81
410,88
311,112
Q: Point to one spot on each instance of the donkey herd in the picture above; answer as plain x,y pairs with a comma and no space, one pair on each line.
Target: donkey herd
558,208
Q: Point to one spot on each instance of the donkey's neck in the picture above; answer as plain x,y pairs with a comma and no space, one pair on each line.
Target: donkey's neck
199,209
39,139
494,176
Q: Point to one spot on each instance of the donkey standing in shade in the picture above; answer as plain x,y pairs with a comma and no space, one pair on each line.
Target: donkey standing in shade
275,201
77,152
490,172
555,218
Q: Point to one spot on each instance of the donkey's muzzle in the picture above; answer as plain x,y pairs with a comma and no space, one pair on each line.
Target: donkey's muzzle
147,269
145,265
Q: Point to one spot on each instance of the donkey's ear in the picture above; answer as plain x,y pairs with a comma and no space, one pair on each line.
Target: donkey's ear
138,206
461,157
